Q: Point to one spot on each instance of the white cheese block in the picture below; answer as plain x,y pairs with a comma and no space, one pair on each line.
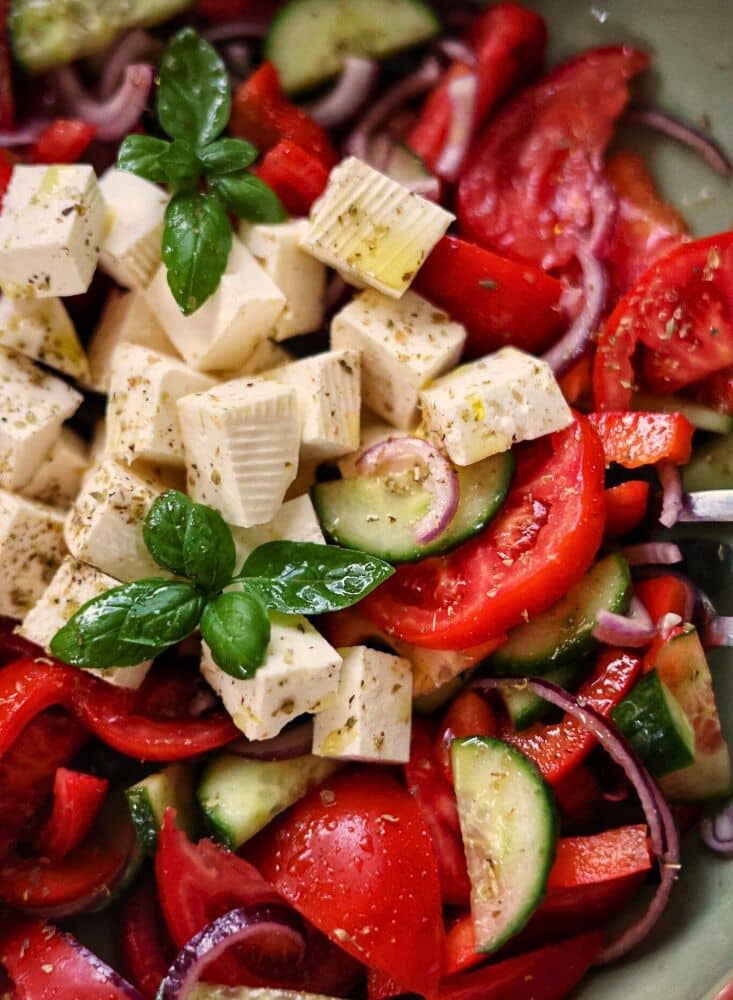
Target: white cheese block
300,674
31,548
224,332
241,441
404,344
142,419
266,356
58,478
372,229
33,406
73,585
51,228
485,407
328,389
135,210
296,521
42,330
370,717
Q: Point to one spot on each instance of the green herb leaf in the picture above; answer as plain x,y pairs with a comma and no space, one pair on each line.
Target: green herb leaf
227,156
197,238
310,579
145,156
237,630
181,166
194,97
164,530
248,197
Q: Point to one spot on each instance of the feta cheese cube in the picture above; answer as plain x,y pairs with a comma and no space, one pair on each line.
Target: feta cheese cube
265,357
372,229
142,419
33,405
126,319
328,390
135,210
41,329
241,441
300,674
299,276
73,585
485,407
51,229
224,332
370,717
403,346
104,526
296,521
31,547
58,477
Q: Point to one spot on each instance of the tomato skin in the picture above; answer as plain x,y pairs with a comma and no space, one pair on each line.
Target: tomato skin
634,439
6,172
526,190
351,866
64,141
579,799
296,177
626,506
146,949
661,595
468,715
77,798
540,543
716,391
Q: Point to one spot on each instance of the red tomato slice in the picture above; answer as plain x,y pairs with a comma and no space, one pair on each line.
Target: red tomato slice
469,714
661,595
356,859
146,948
64,141
636,439
716,391
538,546
77,798
626,506
526,190
296,176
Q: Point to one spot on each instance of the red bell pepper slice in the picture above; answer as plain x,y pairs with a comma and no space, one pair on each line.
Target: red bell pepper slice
6,172
509,45
146,948
468,715
498,301
626,506
579,799
295,175
64,141
77,798
559,747
661,595
633,439
7,103
262,113
28,688
577,383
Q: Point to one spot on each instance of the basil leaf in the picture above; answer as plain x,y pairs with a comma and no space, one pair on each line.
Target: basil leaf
197,238
194,97
237,630
248,197
310,579
145,156
181,166
164,530
169,613
227,156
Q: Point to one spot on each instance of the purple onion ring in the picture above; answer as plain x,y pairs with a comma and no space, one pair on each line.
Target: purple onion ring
117,115
669,477
462,92
652,554
635,630
717,831
351,91
572,345
706,147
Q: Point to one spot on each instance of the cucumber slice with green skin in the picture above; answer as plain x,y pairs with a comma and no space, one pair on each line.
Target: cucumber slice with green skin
711,466
47,33
309,39
109,827
702,417
149,799
405,166
524,707
564,632
652,720
239,797
378,514
509,831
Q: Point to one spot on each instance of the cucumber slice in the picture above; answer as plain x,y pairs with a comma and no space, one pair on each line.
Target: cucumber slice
205,991
377,514
509,833
565,632
652,720
111,827
405,166
524,707
711,466
239,797
702,417
308,39
149,799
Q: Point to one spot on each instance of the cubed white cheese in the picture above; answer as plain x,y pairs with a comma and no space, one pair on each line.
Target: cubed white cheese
370,717
33,406
486,406
135,210
372,229
300,674
58,477
296,521
373,430
41,329
51,229
74,584
328,389
126,319
142,419
266,356
241,441
31,548
403,345
224,332
299,276
104,526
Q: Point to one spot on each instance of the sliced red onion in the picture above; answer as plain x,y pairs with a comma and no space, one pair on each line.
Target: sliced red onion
605,206
652,554
668,623
462,92
572,345
116,116
294,742
707,505
103,973
706,147
718,631
233,928
669,477
357,81
133,47
243,27
717,831
633,630
26,134
455,49
440,479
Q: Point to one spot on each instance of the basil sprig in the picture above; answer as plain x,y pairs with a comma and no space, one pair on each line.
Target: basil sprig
207,175
137,621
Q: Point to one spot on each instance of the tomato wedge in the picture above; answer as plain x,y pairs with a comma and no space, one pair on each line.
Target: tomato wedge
526,192
626,506
77,798
538,546
661,595
64,141
468,715
146,948
636,439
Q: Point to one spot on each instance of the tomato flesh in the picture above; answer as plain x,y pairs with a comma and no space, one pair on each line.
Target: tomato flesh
77,798
634,439
296,176
626,506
